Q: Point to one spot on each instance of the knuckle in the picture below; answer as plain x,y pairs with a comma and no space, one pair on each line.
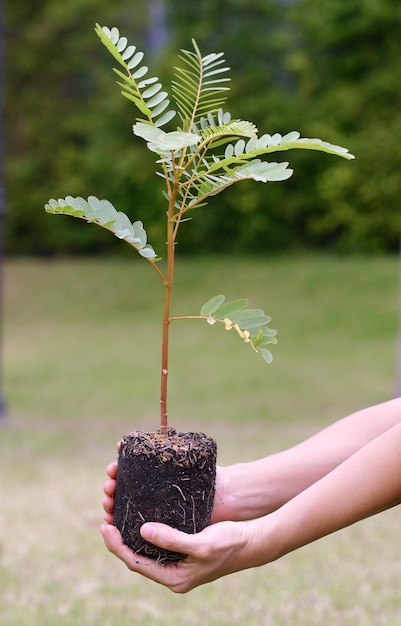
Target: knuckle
204,551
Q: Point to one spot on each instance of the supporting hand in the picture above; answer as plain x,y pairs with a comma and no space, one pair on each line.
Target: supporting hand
218,550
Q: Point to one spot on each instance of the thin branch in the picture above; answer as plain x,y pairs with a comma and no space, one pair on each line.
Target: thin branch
212,192
244,334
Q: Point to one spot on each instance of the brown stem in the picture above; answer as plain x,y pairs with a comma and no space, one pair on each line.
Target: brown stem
166,312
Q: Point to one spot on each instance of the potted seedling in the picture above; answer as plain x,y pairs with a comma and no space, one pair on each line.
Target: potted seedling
166,475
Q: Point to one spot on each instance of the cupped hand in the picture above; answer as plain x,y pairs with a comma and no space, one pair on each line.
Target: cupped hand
218,550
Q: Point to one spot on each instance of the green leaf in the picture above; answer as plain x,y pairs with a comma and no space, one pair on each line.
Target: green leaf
148,132
292,140
195,87
264,172
258,338
160,108
252,322
249,324
151,91
177,140
269,336
157,99
245,314
122,44
140,73
230,307
212,305
136,59
249,318
225,163
234,128
205,185
266,354
159,141
140,105
129,52
109,38
131,59
140,232
164,119
103,213
147,81
147,253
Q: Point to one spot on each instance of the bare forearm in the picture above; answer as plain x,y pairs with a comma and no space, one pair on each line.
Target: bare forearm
262,486
346,473
366,483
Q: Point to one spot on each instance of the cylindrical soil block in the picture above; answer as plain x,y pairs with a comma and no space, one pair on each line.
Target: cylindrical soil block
164,477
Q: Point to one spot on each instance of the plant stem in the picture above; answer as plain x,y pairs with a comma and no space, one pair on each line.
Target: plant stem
168,285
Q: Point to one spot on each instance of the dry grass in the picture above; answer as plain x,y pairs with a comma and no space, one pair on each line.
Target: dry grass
68,332
54,569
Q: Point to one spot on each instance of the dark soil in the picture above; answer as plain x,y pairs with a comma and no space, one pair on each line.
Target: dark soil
164,477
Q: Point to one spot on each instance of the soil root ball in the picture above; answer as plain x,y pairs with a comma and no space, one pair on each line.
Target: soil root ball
164,477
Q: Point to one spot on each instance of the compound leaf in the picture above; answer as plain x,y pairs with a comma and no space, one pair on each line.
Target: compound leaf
103,213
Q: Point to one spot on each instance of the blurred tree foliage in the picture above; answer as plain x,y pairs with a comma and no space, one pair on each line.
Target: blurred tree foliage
348,81
328,69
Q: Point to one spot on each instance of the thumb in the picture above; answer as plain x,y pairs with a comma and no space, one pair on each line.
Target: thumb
166,537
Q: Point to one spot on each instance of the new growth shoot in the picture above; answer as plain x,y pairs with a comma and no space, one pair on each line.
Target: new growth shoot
206,153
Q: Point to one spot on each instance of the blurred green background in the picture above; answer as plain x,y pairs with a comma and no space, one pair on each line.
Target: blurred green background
329,69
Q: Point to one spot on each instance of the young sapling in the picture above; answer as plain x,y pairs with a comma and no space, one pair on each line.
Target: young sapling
165,475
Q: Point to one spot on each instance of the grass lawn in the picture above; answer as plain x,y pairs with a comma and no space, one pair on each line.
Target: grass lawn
81,368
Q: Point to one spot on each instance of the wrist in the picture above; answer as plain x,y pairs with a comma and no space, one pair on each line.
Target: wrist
251,490
264,540
232,484
240,493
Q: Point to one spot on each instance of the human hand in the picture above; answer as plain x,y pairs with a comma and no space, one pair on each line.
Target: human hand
218,550
109,489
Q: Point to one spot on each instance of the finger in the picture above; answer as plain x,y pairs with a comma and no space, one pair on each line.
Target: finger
108,518
114,543
109,487
111,470
168,538
174,575
108,504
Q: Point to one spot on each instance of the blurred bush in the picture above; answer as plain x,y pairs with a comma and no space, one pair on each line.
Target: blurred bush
328,69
